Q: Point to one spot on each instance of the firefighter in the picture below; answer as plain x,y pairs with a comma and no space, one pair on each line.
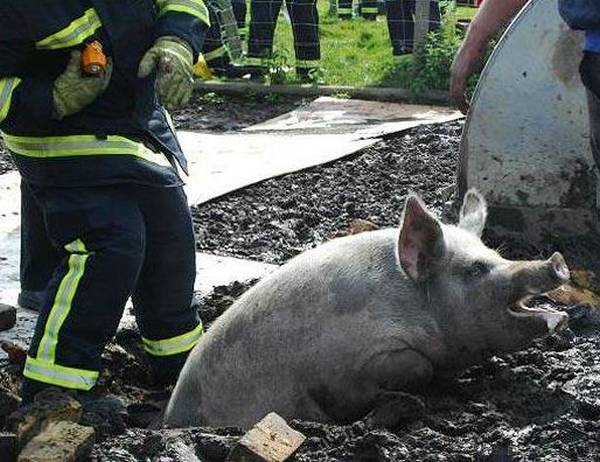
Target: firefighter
344,9
99,158
216,54
239,10
305,26
401,23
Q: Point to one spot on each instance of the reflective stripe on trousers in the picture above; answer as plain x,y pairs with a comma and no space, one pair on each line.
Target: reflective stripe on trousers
43,367
175,345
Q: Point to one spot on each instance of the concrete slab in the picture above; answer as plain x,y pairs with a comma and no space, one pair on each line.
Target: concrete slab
222,163
328,129
358,117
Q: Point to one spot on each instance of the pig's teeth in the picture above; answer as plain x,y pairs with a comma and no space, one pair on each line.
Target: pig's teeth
553,320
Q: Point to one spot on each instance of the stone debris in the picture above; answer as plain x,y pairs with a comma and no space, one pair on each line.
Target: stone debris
16,354
271,440
49,406
359,225
8,316
59,442
9,402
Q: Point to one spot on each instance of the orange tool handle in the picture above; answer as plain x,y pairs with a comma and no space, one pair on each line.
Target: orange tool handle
93,59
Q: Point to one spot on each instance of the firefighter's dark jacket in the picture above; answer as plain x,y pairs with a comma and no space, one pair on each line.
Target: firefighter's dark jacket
118,137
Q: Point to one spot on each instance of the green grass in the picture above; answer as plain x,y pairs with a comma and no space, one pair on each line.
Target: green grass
355,53
466,12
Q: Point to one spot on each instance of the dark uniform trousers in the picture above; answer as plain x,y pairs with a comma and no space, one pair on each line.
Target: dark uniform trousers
113,242
239,10
590,74
401,23
214,51
39,258
305,25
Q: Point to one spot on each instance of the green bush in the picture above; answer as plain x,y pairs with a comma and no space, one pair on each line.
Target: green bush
430,67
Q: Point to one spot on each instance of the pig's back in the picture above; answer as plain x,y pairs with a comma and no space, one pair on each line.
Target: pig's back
288,334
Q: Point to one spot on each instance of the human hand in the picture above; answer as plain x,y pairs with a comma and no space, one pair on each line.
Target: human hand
73,91
172,59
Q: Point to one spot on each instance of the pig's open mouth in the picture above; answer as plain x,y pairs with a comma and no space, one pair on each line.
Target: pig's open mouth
555,319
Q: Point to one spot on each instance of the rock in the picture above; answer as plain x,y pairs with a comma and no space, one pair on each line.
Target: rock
588,408
177,451
271,440
8,316
8,446
60,442
9,403
16,354
50,405
359,225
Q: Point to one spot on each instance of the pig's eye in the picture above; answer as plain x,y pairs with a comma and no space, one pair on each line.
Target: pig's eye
477,270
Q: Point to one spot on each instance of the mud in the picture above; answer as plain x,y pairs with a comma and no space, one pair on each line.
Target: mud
281,217
6,163
538,404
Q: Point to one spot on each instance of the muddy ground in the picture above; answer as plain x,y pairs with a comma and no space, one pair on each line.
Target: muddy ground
276,219
540,404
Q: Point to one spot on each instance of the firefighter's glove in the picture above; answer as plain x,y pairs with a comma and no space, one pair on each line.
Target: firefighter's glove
172,59
73,90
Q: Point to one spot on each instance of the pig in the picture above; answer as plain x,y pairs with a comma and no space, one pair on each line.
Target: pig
340,330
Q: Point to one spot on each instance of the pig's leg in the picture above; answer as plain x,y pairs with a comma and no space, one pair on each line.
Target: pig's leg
390,375
392,408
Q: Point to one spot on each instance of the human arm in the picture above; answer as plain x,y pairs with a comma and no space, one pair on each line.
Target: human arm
491,17
25,99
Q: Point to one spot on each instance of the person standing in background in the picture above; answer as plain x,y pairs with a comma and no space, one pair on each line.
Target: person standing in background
401,23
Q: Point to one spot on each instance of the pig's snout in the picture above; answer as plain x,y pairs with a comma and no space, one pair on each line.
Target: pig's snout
538,277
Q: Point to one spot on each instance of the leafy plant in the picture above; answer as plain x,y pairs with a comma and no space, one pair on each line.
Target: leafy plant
278,67
431,63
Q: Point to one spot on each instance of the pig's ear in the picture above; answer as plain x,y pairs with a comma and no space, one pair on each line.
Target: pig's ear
421,240
473,212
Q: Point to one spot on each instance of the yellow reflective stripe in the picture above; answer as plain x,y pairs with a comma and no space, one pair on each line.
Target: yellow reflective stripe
74,34
369,9
344,10
183,54
43,147
214,54
67,377
195,8
7,87
251,60
63,300
307,62
172,346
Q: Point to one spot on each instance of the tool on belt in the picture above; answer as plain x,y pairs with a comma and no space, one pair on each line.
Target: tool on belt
93,59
